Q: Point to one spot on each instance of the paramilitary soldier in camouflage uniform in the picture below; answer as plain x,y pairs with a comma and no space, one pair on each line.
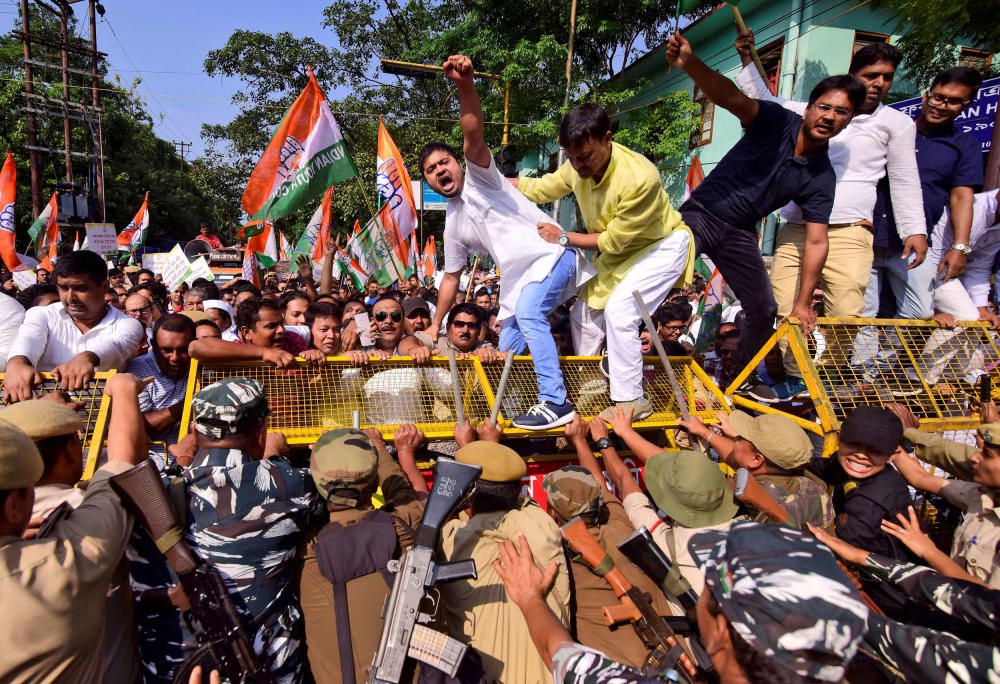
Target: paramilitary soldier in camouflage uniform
345,581
923,654
976,547
245,512
775,450
776,608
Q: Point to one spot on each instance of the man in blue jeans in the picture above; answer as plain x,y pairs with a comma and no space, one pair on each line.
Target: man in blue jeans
487,214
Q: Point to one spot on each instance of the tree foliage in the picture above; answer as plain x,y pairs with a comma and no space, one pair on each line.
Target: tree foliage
931,29
136,160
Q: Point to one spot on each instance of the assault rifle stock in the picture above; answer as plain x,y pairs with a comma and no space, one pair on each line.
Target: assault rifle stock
404,632
217,625
634,607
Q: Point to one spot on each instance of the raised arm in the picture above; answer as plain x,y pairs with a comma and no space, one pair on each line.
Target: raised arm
126,430
618,470
460,70
717,88
576,433
326,274
446,297
621,423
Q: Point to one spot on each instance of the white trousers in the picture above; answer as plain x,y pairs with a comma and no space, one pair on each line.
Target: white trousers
946,351
653,277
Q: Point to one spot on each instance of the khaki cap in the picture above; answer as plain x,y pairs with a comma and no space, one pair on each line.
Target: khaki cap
990,432
20,463
499,463
42,418
690,488
343,459
196,315
777,438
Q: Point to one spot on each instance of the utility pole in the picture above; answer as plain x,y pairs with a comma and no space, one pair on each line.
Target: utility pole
67,126
95,102
182,150
29,90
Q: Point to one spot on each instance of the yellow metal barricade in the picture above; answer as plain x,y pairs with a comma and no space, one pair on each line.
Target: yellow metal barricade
855,362
94,409
307,400
587,386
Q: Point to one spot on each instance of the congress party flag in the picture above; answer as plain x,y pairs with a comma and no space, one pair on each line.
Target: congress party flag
76,242
8,193
346,267
44,233
354,248
378,246
285,251
317,232
414,257
393,183
134,234
430,257
695,175
306,156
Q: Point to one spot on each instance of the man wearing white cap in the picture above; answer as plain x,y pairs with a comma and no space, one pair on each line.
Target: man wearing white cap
222,314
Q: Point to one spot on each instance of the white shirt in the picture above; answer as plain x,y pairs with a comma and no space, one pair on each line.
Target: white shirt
868,148
48,337
492,216
984,241
11,315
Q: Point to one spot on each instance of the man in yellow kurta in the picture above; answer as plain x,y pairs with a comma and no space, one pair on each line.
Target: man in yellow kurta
479,611
643,243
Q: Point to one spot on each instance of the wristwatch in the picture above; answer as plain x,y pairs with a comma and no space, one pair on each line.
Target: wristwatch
603,443
961,247
564,238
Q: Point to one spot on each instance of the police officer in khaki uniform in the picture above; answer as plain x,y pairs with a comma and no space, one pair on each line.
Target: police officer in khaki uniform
478,611
976,547
572,491
775,450
344,577
55,429
53,589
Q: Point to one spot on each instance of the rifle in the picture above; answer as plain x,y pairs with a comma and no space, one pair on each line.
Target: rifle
417,573
635,607
215,621
640,548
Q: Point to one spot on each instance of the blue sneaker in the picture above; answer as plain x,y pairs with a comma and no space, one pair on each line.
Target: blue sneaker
791,388
544,416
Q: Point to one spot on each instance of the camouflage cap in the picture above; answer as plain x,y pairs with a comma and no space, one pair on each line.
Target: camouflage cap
777,438
572,491
785,595
224,408
343,459
990,432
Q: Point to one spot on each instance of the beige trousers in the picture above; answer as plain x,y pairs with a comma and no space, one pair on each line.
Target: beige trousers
844,278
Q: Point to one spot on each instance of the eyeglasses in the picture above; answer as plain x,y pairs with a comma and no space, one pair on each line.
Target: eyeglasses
674,328
465,324
839,111
135,313
394,315
936,100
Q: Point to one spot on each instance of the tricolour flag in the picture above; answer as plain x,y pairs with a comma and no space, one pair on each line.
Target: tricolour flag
134,234
695,175
317,232
430,257
44,233
379,248
346,267
354,248
414,256
285,251
76,242
306,156
8,194
393,183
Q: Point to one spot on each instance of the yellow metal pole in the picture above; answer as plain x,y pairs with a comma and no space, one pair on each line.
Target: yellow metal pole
506,112
741,25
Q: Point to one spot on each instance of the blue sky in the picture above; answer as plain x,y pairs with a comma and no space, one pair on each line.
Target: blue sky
166,42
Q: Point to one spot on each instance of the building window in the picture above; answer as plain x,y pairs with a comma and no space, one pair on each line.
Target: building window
703,134
770,58
980,60
862,39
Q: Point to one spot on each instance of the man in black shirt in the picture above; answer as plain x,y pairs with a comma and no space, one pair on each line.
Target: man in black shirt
782,157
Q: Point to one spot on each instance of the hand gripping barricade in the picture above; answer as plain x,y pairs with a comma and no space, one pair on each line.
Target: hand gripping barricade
405,632
224,641
666,651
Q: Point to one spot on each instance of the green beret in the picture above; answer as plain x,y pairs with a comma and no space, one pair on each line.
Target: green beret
42,418
343,459
20,463
499,463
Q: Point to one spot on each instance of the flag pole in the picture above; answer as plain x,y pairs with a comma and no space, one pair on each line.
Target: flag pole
371,208
742,26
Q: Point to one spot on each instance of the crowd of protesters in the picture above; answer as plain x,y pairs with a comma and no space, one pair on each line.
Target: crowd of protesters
849,587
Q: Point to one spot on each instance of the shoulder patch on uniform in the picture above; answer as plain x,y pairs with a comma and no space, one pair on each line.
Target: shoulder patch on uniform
850,487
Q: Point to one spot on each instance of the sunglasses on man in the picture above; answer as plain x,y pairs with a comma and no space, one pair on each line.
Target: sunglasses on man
394,315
